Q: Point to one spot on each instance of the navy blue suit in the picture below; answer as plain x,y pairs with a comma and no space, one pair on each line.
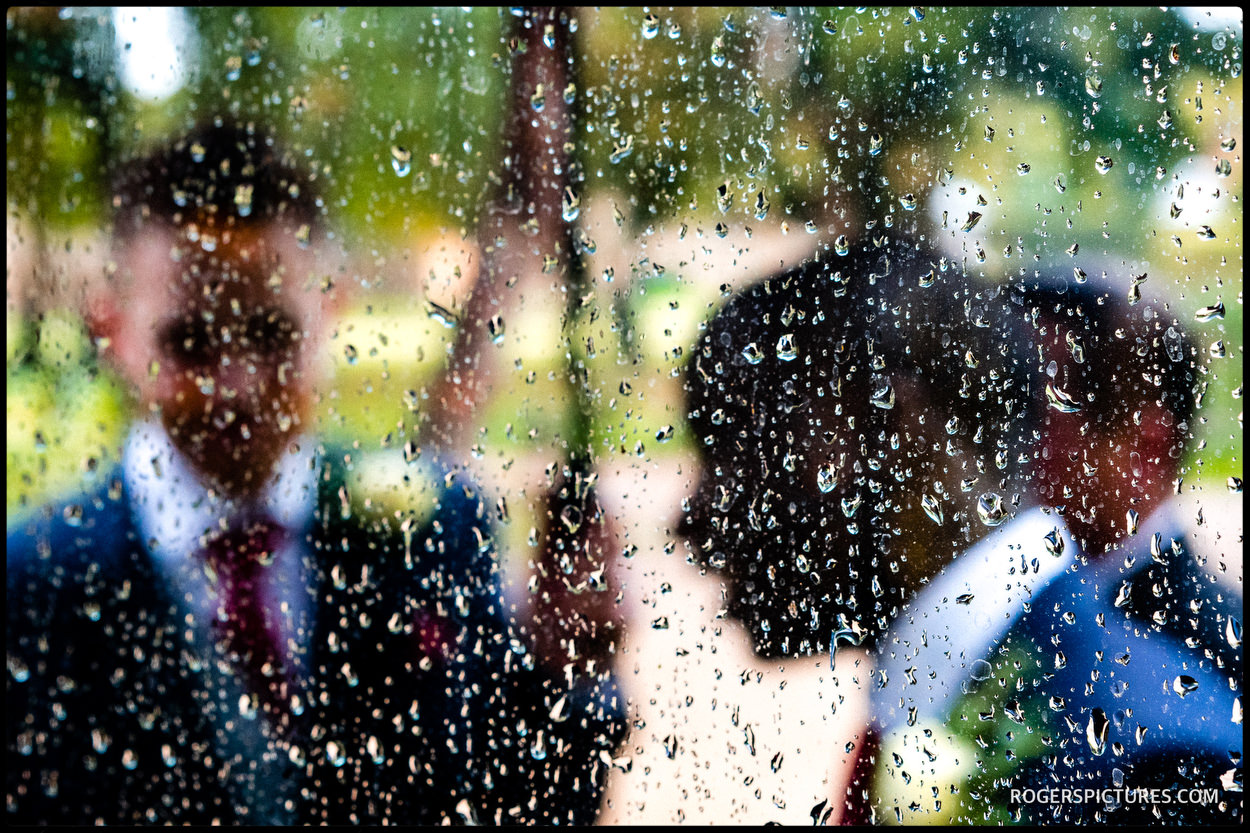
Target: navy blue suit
421,703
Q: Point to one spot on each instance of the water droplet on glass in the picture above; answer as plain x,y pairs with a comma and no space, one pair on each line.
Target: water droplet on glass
875,144
1096,731
664,434
786,349
974,217
570,205
1210,313
1103,164
1023,168
908,202
650,26
990,509
718,51
495,326
401,160
829,27
1184,684
442,315
932,508
761,206
571,517
1124,594
826,477
882,393
1093,86
1054,542
841,246
1232,631
1130,521
981,670
1060,401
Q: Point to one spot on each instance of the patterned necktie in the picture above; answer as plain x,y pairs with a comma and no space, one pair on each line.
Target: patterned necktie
247,630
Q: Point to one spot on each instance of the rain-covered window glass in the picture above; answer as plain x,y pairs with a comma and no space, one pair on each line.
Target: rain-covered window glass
624,415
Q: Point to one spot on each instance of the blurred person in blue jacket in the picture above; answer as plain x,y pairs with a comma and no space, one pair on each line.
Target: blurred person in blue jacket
219,632
1082,645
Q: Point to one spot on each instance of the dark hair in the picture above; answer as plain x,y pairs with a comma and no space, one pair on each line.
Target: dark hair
820,400
219,173
1120,354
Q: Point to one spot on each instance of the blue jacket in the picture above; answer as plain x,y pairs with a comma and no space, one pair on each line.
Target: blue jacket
106,710
1118,673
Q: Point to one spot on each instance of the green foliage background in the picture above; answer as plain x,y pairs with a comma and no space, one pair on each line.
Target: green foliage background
779,106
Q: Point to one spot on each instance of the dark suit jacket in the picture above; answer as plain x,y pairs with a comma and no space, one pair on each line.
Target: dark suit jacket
440,711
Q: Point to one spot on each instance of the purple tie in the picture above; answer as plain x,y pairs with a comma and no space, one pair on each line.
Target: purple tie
247,632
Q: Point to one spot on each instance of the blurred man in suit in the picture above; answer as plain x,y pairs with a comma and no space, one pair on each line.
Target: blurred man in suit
1082,645
219,632
972,482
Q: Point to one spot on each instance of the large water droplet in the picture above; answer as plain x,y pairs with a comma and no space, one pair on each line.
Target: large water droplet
1184,684
718,51
786,349
848,633
761,206
990,509
401,160
1054,542
442,315
570,205
496,328
1096,731
650,26
883,394
932,508
1210,313
826,477
1060,401
571,518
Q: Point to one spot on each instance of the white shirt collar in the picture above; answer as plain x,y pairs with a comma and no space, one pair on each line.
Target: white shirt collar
934,646
955,621
174,508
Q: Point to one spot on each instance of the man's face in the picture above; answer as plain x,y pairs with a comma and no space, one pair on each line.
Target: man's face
218,335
